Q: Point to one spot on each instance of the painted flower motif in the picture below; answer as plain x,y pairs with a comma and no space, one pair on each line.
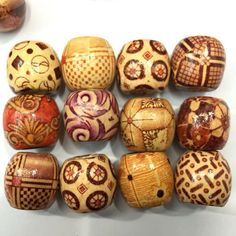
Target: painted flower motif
71,200
135,46
134,70
72,172
159,70
29,131
97,200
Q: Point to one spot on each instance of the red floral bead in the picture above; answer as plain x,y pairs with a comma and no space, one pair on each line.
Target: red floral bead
31,121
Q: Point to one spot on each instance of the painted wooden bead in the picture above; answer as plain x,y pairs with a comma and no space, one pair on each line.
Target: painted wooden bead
12,14
31,180
143,66
198,63
203,178
88,183
146,179
88,63
147,124
91,115
31,121
203,123
33,66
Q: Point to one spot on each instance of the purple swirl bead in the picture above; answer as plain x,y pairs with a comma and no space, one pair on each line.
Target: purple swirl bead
91,115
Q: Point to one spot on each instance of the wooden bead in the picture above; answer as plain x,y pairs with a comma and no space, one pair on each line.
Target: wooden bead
91,115
33,66
203,178
88,183
88,63
203,123
198,63
146,179
12,14
143,66
31,121
31,180
147,124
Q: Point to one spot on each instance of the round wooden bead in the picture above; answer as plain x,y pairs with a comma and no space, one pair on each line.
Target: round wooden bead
88,63
203,178
143,66
147,124
88,183
203,123
31,121
198,63
31,180
33,66
12,14
91,115
146,179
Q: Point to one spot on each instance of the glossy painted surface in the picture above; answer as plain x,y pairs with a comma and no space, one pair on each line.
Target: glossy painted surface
31,180
33,66
203,178
91,115
12,14
147,124
143,66
203,123
146,179
88,183
31,121
198,63
88,63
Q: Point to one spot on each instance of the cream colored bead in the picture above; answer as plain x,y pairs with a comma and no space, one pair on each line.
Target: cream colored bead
33,66
203,178
143,66
88,182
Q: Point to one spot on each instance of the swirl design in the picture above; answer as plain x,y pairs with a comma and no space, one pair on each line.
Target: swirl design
25,104
91,115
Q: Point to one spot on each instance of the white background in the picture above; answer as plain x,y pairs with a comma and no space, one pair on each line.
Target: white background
120,21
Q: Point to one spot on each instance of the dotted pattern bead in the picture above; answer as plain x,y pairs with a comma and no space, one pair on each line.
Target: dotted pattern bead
88,63
203,178
88,182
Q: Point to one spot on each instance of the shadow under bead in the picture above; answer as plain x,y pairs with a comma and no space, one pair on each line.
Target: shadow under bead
12,14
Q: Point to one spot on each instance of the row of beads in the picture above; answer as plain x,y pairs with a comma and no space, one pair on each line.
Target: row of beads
147,124
142,66
88,183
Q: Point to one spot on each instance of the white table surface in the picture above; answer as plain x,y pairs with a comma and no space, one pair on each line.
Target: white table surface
120,21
